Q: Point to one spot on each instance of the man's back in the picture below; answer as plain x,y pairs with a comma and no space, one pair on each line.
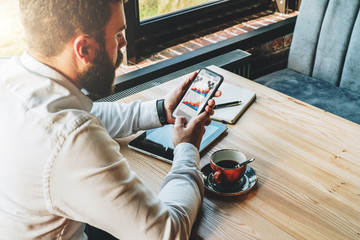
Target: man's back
60,168
33,127
59,163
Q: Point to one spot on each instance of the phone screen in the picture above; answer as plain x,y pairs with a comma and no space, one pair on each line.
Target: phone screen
201,90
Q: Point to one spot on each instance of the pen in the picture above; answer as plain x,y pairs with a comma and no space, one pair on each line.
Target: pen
228,104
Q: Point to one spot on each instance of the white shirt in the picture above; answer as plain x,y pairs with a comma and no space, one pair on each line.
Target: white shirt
61,168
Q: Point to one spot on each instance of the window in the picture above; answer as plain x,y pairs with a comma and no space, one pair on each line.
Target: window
12,37
154,8
147,28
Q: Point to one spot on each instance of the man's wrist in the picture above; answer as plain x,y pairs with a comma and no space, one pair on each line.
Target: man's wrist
161,111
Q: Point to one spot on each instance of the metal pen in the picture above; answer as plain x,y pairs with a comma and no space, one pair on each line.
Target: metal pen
228,104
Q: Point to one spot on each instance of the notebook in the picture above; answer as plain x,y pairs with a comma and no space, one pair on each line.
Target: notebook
158,142
232,93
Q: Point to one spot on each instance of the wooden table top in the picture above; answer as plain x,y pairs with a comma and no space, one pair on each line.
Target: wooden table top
307,164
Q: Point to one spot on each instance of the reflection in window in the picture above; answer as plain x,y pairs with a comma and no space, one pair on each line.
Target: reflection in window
154,8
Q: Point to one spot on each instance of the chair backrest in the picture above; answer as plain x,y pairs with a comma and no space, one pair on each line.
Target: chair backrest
326,42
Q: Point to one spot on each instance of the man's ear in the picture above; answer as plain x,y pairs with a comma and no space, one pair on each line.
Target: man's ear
85,48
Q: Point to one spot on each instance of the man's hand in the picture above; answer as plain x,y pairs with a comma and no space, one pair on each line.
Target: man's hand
192,132
172,99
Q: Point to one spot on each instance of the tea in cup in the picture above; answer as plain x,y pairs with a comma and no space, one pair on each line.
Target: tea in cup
224,164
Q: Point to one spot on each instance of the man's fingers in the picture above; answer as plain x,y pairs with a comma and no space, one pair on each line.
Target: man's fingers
203,117
188,81
209,110
179,122
181,89
217,93
192,76
211,103
207,123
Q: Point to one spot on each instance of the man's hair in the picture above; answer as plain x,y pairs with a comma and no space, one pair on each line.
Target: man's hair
50,24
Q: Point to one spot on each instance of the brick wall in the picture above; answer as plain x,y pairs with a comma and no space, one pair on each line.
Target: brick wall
270,56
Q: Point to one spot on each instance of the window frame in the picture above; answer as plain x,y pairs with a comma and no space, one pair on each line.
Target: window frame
144,36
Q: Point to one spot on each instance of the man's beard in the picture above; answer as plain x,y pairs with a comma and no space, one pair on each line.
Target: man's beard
98,80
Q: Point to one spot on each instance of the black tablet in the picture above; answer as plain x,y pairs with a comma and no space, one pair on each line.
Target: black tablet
158,142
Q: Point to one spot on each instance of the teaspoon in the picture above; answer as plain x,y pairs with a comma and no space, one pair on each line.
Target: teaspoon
246,162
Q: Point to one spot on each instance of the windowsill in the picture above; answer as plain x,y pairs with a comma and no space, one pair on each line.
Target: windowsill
257,21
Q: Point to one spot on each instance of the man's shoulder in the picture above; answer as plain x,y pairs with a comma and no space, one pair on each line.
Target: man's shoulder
4,60
51,101
16,78
10,66
37,88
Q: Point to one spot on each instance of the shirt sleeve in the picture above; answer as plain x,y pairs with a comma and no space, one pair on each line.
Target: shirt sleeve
183,188
122,119
91,182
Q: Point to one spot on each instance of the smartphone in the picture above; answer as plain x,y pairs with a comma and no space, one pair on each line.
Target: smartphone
197,95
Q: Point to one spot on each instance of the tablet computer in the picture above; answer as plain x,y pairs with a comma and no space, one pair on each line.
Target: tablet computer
158,142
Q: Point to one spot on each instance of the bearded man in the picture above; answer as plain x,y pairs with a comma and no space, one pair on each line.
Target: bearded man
60,168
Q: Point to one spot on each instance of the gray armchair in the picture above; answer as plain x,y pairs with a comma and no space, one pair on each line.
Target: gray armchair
324,59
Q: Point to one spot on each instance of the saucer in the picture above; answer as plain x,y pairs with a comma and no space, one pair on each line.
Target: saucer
246,183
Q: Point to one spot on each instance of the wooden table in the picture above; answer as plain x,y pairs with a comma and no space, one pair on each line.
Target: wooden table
307,163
